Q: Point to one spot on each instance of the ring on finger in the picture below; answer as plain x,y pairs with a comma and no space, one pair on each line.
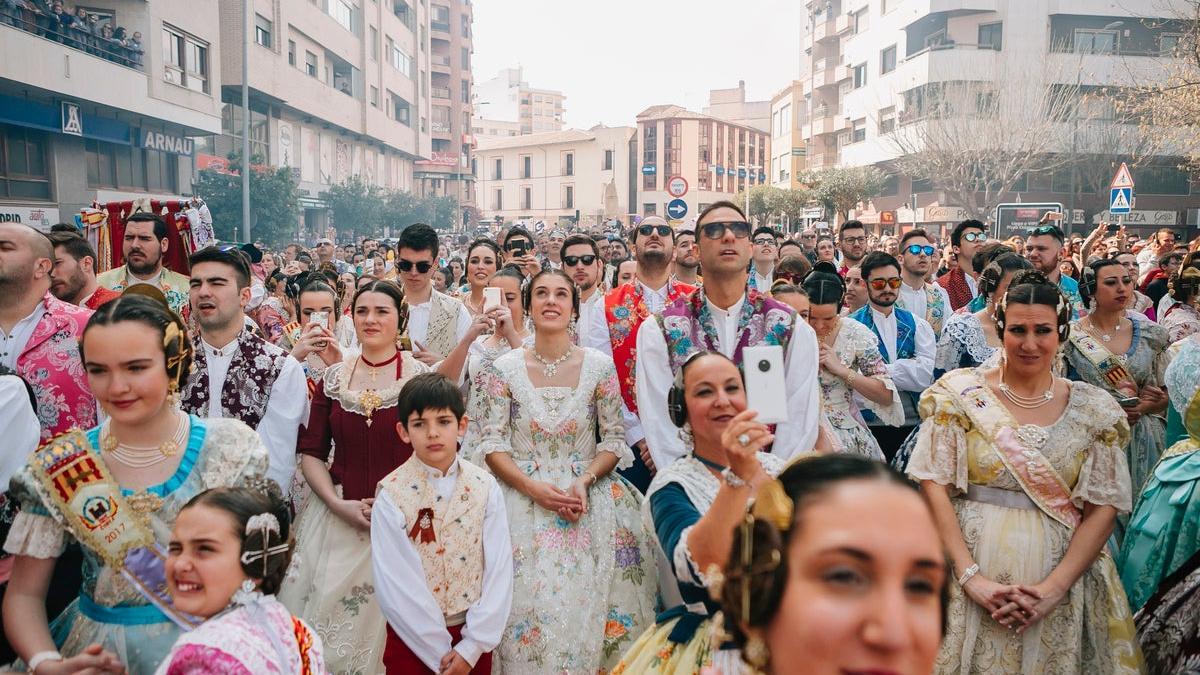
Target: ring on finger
743,439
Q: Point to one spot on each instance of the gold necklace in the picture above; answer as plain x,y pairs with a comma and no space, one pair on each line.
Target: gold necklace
144,457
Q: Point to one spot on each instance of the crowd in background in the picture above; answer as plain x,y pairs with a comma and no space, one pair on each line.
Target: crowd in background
77,28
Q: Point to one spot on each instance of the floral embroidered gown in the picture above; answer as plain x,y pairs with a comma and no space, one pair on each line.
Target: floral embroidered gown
1091,630
857,347
582,592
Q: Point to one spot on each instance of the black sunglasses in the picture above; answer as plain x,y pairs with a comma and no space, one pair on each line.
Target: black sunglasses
647,230
407,265
716,230
573,260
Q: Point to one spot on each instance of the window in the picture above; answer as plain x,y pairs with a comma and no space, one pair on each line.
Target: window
292,53
649,155
704,155
1168,43
400,60
343,13
860,75
466,58
608,161
310,64
1162,180
498,169
262,31
858,132
526,198
860,20
24,173
185,60
526,166
374,43
649,209
922,185
568,164
568,197
1088,41
466,25
990,35
887,120
400,111
887,60
231,123
498,201
440,18
375,96
110,165
466,91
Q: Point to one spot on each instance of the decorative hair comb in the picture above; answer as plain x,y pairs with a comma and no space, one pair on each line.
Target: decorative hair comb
266,523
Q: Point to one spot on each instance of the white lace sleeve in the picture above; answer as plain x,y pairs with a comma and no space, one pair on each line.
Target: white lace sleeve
941,451
686,569
494,398
36,536
1104,477
608,415
949,347
232,453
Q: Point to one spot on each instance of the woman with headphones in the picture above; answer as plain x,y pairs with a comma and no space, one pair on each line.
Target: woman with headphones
1125,355
1182,319
551,432
695,504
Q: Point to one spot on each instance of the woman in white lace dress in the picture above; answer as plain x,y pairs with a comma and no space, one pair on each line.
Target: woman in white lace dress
970,340
584,576
850,364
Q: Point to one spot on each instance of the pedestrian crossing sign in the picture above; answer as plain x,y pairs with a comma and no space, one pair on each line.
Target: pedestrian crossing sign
1120,200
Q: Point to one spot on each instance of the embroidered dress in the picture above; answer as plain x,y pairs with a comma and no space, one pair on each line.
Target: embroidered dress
857,347
1144,362
624,311
261,638
1169,626
479,358
681,640
967,441
1164,530
336,593
582,591
963,344
109,611
1181,321
50,364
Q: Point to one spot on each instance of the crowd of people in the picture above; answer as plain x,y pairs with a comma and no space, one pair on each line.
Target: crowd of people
78,29
534,452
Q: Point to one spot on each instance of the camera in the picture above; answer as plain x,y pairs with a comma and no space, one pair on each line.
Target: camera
764,365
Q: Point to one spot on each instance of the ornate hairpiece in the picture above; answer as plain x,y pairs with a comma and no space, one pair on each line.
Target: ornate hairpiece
172,333
266,523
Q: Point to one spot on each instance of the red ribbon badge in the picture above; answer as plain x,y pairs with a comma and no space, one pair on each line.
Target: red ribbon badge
422,530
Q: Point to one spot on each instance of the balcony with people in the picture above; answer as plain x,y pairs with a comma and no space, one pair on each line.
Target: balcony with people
90,30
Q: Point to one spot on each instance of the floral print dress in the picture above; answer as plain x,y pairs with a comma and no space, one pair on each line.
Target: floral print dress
584,591
857,347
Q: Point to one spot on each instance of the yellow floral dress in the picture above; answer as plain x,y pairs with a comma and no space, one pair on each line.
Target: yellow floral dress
968,440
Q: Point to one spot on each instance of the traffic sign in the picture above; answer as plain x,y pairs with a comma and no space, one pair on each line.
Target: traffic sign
1021,218
1120,200
677,209
1123,179
677,186
647,170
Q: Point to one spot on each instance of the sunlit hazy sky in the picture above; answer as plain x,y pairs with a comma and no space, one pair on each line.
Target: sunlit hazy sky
615,58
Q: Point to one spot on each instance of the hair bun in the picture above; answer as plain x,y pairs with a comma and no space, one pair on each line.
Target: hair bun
825,266
1033,277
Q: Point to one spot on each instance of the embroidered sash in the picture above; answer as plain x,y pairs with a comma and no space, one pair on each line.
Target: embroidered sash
688,327
246,392
1035,474
77,484
443,324
1115,376
624,310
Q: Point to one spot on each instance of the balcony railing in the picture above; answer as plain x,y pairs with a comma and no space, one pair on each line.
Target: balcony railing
440,92
66,30
439,26
440,59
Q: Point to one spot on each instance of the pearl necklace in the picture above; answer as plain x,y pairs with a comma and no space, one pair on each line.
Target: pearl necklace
1027,402
136,457
551,367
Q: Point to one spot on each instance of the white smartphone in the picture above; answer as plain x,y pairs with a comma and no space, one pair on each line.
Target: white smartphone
766,392
321,318
491,298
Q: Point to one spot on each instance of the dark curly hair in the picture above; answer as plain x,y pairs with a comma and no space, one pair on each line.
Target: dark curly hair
1031,287
243,503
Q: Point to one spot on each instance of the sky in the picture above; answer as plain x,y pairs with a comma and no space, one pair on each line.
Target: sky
615,58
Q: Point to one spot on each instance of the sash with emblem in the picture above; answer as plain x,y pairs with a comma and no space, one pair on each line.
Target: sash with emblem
448,534
1112,367
75,482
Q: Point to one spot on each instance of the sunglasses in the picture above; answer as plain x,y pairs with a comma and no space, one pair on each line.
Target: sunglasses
764,241
407,265
788,278
573,260
662,230
917,249
979,236
880,284
739,228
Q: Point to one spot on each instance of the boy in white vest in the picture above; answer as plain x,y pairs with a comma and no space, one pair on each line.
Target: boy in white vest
439,543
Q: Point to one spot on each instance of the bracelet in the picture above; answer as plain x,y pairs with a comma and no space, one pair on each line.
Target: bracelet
969,574
594,478
731,479
850,378
42,657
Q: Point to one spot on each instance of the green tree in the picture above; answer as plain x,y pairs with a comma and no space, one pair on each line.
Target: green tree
774,205
841,189
274,209
357,207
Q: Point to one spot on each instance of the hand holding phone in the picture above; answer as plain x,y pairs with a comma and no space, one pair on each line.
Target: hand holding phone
491,298
766,391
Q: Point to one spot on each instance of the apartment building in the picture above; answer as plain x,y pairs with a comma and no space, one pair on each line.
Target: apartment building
731,105
872,66
558,176
446,170
716,158
507,98
789,112
82,120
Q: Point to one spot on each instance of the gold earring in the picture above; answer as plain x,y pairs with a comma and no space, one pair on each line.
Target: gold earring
173,394
756,653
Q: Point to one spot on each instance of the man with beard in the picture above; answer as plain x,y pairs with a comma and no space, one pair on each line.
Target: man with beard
926,300
1043,248
687,261
73,277
762,261
906,342
581,260
967,237
436,321
143,247
237,374
725,315
626,307
852,242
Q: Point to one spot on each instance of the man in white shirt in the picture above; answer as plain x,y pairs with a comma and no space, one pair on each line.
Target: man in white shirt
237,374
436,321
923,299
581,260
723,235
766,254
1163,241
143,246
906,342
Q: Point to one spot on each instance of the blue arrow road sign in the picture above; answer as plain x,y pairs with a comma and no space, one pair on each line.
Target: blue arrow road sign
677,209
1120,200
649,170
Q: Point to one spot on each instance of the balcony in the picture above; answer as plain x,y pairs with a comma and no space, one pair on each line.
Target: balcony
439,26
826,74
73,36
440,92
825,30
440,63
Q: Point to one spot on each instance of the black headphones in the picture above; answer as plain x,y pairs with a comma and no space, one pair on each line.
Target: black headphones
676,404
1088,280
